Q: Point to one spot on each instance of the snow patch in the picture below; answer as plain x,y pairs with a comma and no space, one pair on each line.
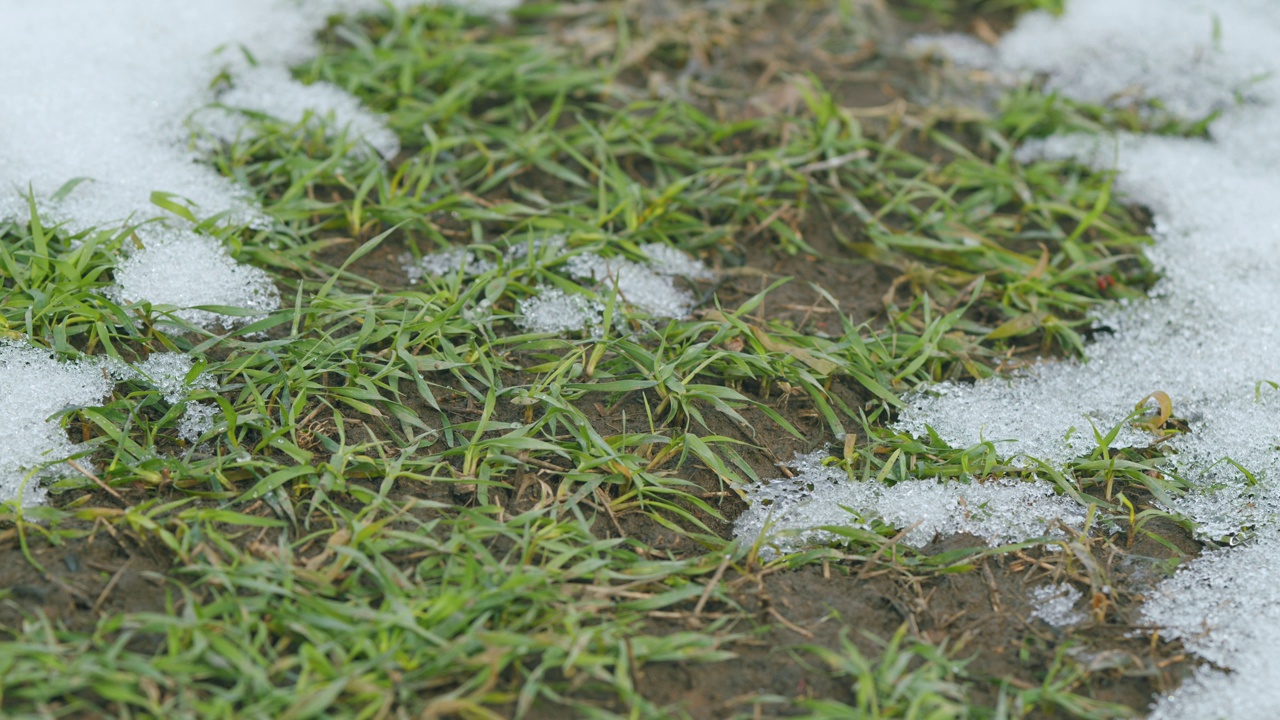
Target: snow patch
1056,604
184,269
34,389
104,91
818,494
1208,336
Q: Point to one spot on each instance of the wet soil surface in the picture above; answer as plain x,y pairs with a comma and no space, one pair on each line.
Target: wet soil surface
983,615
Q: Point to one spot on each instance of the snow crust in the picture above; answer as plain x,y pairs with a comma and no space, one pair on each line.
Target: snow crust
1208,337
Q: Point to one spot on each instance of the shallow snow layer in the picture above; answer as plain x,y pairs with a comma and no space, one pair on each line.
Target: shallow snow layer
1209,337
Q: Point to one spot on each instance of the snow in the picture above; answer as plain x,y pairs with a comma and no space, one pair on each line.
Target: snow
104,91
1208,337
1056,604
107,94
34,389
187,270
648,286
170,373
818,494
552,310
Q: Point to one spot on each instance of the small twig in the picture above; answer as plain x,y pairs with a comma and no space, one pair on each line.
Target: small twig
111,585
789,625
715,580
110,490
880,551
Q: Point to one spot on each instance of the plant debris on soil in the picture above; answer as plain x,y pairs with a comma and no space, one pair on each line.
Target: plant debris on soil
392,484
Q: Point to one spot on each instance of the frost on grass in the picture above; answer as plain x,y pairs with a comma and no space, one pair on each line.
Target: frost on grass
103,90
819,495
1056,604
34,388
1207,337
185,270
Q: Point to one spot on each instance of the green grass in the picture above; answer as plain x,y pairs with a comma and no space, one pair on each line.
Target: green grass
405,508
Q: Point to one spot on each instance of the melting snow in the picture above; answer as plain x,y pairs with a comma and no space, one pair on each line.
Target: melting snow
35,387
649,286
818,495
1056,604
186,270
1208,337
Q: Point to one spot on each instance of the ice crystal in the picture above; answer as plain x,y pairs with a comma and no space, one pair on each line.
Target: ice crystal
34,389
553,310
1055,604
819,495
183,269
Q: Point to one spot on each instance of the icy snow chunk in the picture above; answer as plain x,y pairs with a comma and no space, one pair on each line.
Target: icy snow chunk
34,387
1000,512
272,91
184,269
648,288
553,310
445,262
197,420
1055,604
168,372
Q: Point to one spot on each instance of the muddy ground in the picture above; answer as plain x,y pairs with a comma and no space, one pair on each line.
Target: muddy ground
983,615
